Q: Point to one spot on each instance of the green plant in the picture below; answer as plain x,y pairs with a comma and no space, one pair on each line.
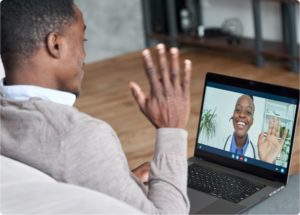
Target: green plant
282,130
282,158
208,123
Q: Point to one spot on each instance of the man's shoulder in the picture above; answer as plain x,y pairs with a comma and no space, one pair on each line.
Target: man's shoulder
69,114
59,120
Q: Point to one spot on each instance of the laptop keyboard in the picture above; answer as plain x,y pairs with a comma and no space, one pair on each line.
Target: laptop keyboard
221,185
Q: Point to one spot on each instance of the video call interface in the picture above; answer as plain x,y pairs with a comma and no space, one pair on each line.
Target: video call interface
238,123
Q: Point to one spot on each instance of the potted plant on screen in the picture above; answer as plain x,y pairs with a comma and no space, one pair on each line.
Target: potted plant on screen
208,123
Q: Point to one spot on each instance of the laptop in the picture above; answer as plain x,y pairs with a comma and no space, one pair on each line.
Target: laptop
230,172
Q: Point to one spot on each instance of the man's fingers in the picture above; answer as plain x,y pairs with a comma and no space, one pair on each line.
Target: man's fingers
175,68
163,65
142,172
187,77
138,95
151,73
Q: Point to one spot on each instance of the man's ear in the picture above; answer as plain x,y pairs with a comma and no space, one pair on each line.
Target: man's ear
54,44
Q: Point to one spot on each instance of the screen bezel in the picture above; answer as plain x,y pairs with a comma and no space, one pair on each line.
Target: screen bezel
260,87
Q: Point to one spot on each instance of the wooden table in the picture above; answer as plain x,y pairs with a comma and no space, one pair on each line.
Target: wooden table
105,95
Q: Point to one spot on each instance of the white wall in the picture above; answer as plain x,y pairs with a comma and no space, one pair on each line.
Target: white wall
215,11
114,27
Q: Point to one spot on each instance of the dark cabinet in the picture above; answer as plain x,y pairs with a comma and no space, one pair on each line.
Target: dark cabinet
164,21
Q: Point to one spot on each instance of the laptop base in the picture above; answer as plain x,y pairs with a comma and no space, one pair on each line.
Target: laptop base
202,203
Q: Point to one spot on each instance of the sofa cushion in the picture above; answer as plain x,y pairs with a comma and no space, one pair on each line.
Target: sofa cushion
25,190
14,172
58,198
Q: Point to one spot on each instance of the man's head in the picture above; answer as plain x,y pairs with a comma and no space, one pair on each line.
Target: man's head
42,43
242,118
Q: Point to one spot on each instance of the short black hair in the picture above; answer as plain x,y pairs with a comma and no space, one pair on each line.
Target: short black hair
251,97
26,23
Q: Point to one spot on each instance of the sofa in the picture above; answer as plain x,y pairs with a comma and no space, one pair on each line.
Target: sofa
25,190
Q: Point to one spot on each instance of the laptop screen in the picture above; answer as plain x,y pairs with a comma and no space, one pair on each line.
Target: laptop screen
248,122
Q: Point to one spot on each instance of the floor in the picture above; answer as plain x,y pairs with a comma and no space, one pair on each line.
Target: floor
105,95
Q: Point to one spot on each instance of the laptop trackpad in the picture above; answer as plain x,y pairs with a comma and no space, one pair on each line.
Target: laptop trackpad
199,200
202,203
222,207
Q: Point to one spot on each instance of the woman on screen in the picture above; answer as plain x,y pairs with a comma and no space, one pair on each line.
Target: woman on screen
239,142
242,120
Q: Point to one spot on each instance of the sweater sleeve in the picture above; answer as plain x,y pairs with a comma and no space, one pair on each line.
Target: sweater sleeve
94,159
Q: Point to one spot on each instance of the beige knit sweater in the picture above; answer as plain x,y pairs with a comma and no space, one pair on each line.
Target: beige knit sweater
75,148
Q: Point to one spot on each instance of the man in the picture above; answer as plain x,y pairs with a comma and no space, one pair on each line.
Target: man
43,56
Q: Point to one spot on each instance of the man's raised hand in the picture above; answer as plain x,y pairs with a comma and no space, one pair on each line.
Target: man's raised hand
168,104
